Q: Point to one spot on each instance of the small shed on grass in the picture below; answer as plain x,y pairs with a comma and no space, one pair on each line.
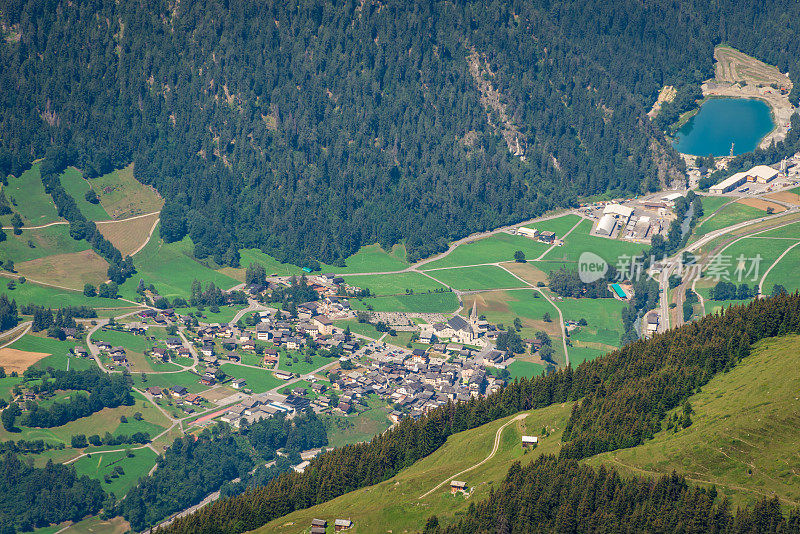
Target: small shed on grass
529,442
342,524
458,486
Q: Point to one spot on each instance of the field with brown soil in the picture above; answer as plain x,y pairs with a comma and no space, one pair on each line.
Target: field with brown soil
19,360
786,196
762,204
71,270
734,66
526,271
129,235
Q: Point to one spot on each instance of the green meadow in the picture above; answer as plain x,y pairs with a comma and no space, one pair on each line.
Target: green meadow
729,215
186,379
58,351
790,230
301,366
76,186
394,284
362,329
171,268
560,225
259,380
39,243
785,272
580,241
744,432
362,427
746,260
604,318
100,464
34,205
712,204
472,278
496,248
418,303
32,293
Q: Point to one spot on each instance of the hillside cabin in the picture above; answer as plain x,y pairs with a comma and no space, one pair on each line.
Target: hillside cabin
458,486
529,442
342,524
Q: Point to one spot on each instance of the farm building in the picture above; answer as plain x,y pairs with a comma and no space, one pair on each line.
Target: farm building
342,524
458,486
547,237
529,442
618,291
528,232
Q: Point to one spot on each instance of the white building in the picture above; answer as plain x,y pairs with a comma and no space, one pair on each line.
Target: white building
729,184
533,233
761,174
606,225
618,210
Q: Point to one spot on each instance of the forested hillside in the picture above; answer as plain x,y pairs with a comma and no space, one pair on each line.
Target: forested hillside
311,128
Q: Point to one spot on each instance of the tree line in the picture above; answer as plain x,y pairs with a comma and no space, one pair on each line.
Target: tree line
624,397
561,495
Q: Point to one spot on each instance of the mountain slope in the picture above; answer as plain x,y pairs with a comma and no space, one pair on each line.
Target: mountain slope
312,128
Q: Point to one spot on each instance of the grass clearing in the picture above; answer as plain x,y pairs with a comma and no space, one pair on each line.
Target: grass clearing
495,248
101,464
71,270
371,259
579,241
301,366
473,278
33,293
58,350
418,303
346,430
122,195
76,186
604,318
395,505
790,230
785,272
171,268
259,380
559,225
729,215
186,379
39,243
530,272
362,329
523,369
746,260
26,195
394,284
744,435
129,235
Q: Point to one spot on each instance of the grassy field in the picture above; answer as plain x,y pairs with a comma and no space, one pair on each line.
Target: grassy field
394,284
710,205
579,353
58,351
39,243
749,249
502,307
106,420
364,329
785,272
254,255
580,241
34,205
225,314
171,268
790,230
124,339
472,278
560,225
184,378
395,505
259,380
499,247
76,186
301,366
417,303
344,430
31,292
604,318
103,463
371,259
121,195
729,215
128,235
744,434
520,369
71,270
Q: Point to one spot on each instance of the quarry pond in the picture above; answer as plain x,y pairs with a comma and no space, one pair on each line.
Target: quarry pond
724,122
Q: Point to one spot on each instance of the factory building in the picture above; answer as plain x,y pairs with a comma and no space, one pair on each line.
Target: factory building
606,225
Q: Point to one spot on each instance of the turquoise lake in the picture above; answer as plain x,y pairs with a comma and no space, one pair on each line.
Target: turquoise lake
722,121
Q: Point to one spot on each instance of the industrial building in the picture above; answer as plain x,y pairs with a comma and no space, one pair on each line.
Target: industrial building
528,232
622,212
729,184
606,225
761,174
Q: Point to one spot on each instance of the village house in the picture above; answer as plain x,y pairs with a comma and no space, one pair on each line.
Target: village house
155,391
238,383
80,351
179,391
323,324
